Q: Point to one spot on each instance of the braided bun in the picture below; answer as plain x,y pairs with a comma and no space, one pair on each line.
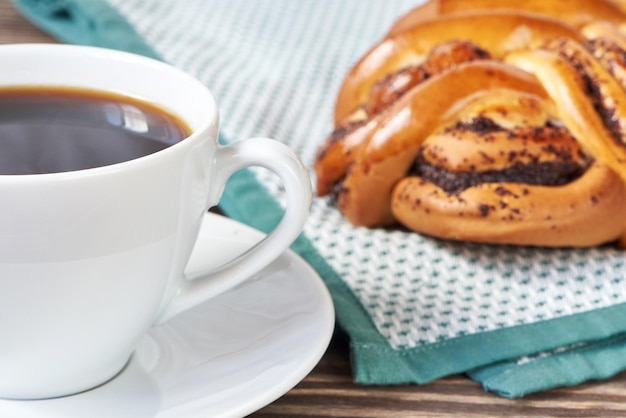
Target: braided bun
496,32
504,174
493,125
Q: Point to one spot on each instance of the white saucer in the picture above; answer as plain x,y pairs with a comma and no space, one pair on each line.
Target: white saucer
225,358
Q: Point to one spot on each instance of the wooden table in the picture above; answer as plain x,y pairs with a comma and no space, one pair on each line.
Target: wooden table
328,391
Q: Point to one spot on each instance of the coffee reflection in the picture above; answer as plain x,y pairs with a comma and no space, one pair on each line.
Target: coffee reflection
50,130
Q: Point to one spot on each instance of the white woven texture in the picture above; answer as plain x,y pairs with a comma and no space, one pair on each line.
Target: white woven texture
275,67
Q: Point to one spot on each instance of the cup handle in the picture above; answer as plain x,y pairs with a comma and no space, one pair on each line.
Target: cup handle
278,158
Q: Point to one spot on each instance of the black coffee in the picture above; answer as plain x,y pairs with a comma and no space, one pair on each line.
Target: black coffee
49,130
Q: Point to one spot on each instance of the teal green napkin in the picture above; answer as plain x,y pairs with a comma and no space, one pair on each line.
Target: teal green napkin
518,320
85,22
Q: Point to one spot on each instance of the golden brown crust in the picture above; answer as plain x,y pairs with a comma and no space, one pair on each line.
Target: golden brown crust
441,58
496,32
569,91
525,146
574,12
607,45
529,183
390,141
581,213
480,146
620,3
335,154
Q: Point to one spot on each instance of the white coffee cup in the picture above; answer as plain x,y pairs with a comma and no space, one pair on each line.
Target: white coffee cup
91,259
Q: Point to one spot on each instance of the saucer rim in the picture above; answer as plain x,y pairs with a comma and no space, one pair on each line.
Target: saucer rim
323,314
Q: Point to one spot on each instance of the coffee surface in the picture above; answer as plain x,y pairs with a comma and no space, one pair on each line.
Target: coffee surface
50,130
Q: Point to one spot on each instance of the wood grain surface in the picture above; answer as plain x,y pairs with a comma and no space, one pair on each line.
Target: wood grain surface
328,391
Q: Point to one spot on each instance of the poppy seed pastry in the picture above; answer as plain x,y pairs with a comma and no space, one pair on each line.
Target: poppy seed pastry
502,125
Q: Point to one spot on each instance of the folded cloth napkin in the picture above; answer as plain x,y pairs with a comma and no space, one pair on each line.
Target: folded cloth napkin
519,320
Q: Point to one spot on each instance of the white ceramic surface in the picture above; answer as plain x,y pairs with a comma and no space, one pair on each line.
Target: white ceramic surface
225,358
91,259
